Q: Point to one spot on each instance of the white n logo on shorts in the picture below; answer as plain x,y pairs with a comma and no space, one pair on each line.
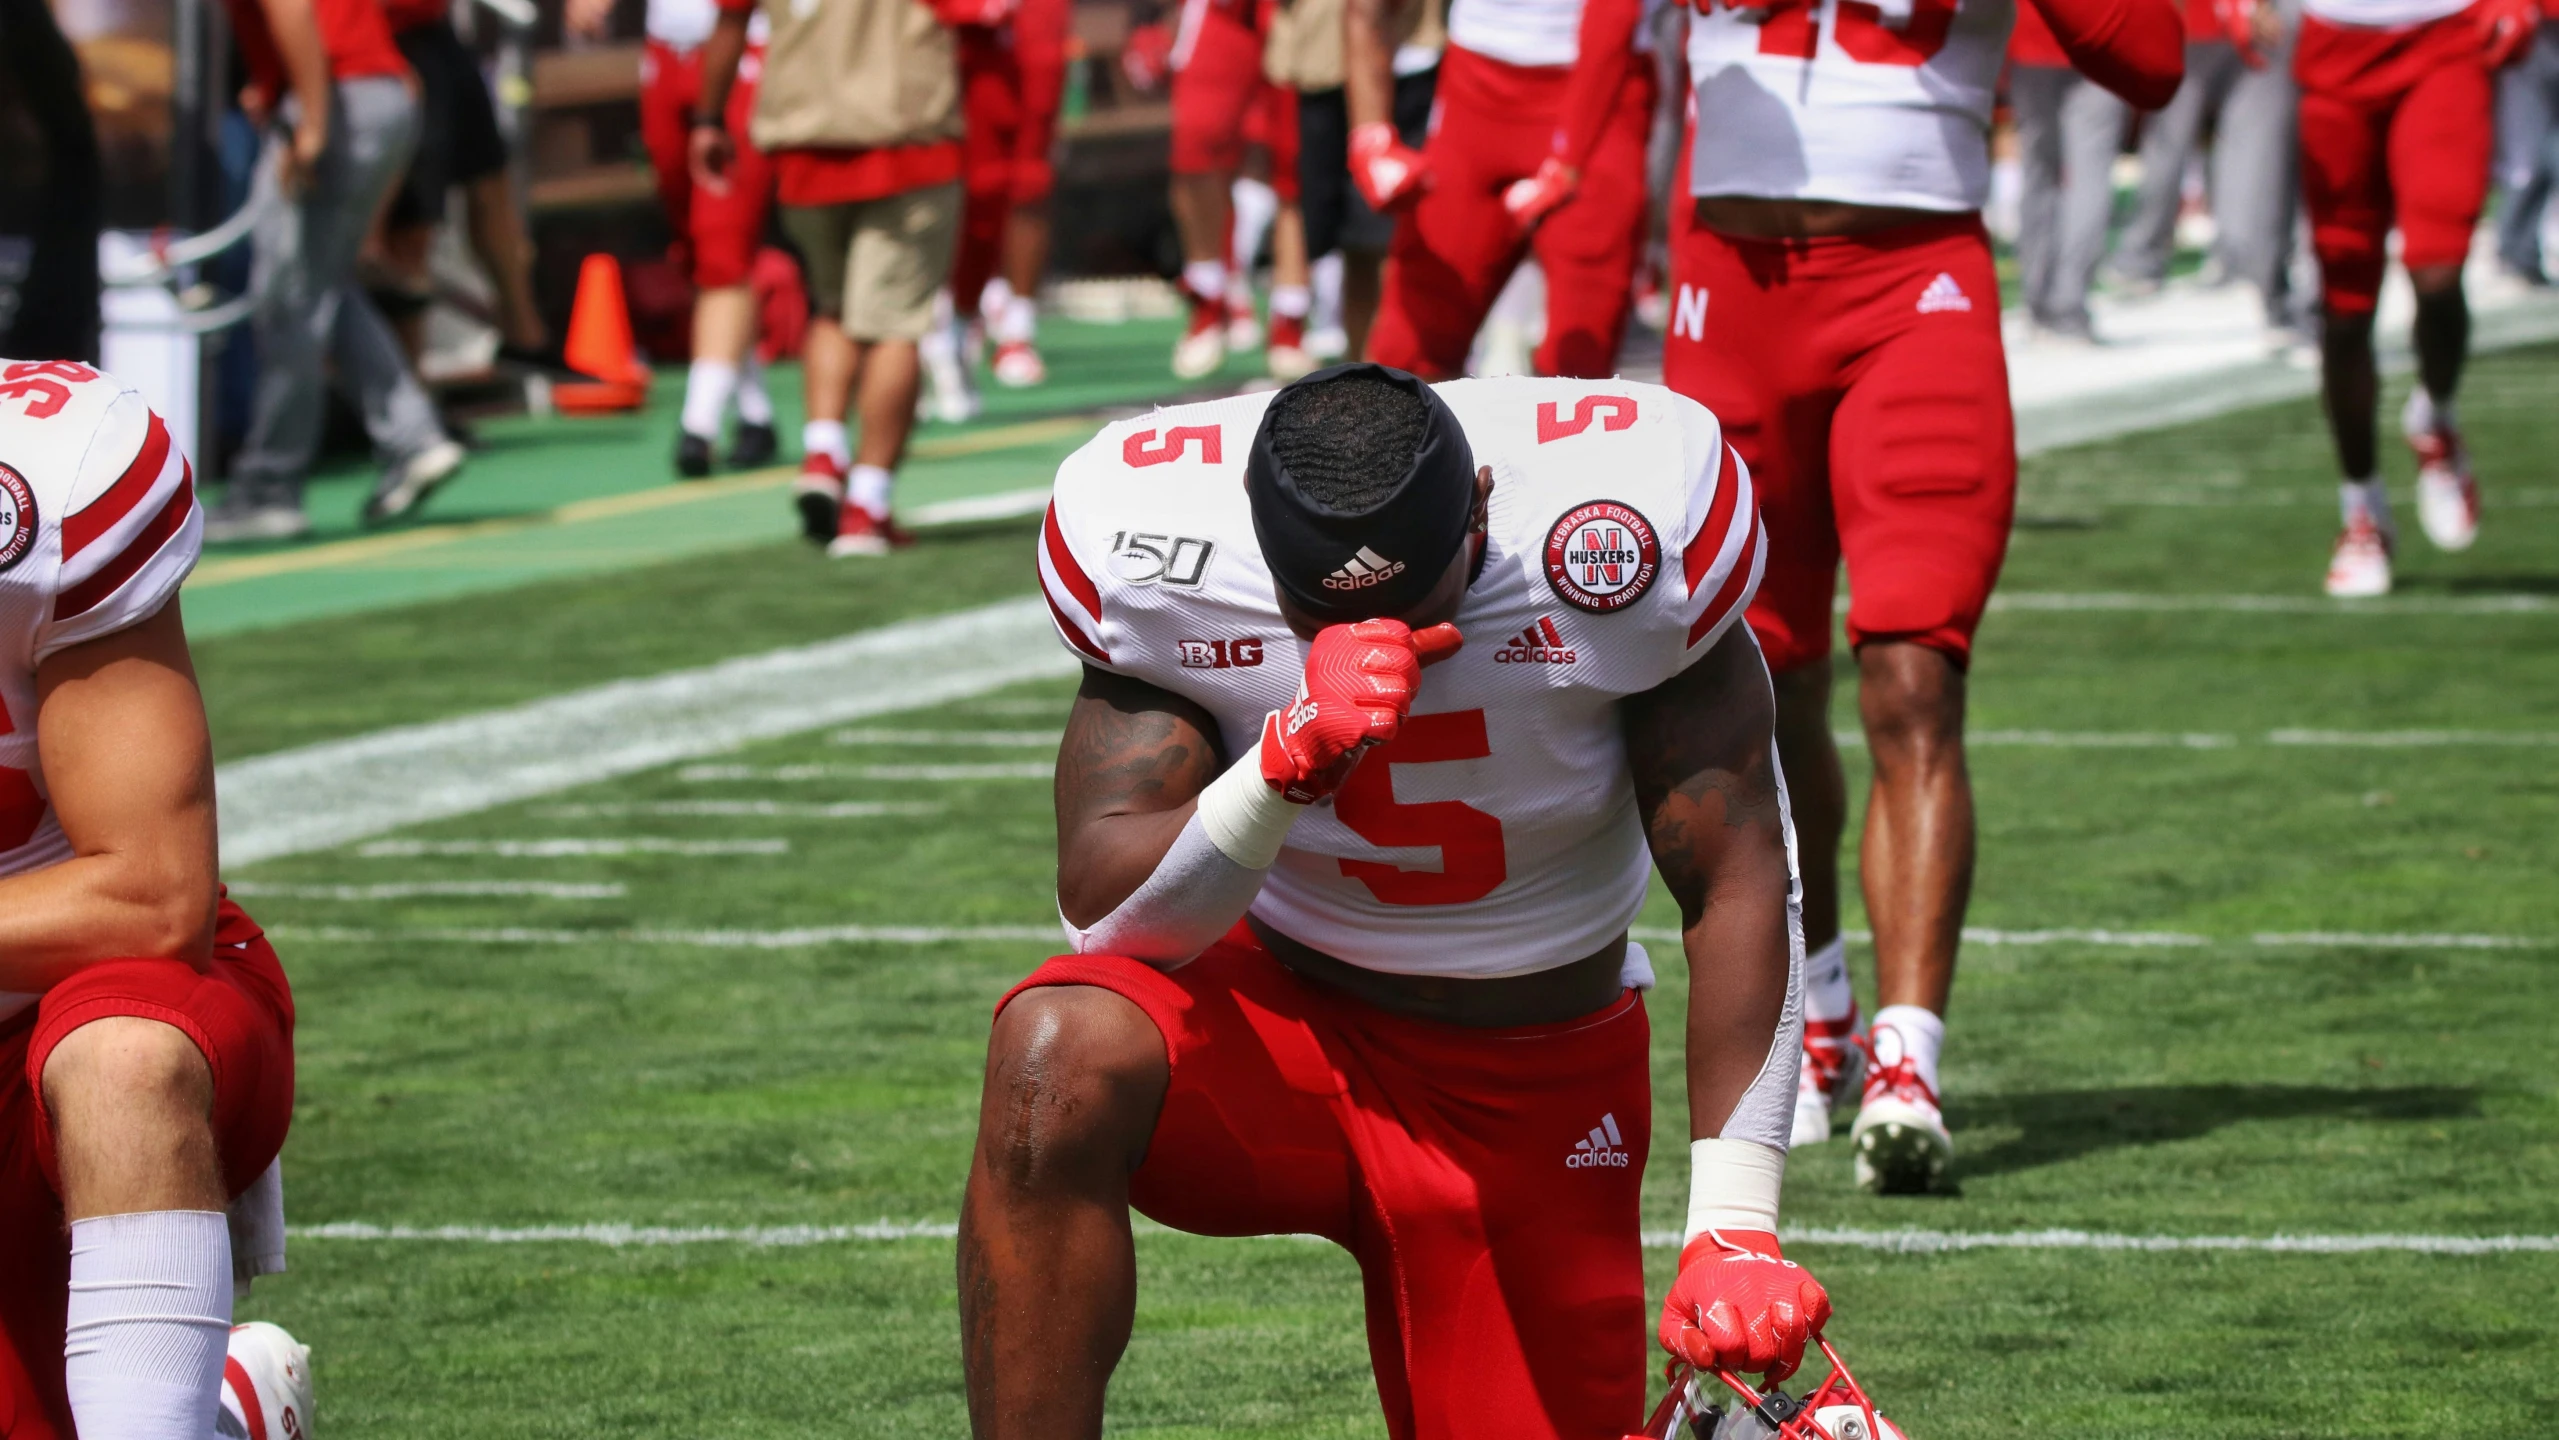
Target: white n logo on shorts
1603,1148
1688,315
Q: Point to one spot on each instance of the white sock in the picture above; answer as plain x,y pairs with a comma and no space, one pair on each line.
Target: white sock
1256,206
1239,291
1019,322
1827,996
2363,499
754,402
1291,302
2424,414
827,438
707,388
868,487
1205,279
1327,275
992,300
1908,1030
148,1325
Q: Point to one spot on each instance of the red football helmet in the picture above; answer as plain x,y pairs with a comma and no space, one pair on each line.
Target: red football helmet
1836,1409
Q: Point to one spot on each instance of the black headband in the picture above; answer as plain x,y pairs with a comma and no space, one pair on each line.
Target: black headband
1341,567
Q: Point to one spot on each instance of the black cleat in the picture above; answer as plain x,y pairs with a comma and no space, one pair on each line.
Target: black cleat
754,446
692,456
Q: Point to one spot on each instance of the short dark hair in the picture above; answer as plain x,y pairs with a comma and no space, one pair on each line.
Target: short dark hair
1347,441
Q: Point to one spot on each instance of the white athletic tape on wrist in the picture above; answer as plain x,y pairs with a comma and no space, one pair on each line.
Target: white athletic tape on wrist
1244,816
1732,1185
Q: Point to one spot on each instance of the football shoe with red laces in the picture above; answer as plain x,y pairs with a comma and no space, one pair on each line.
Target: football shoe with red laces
1832,1072
1202,348
1900,1134
2447,496
2359,568
861,531
1018,365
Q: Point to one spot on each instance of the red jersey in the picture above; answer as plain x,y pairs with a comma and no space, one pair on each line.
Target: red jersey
353,32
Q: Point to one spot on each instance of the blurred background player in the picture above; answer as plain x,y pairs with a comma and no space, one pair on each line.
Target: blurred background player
146,1029
1835,305
1217,79
1528,152
1266,206
858,107
719,230
2528,150
2069,130
1012,81
2397,116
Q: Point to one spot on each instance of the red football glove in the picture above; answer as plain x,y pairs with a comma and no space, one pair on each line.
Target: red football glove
1529,200
1740,1305
1359,681
2505,29
1389,172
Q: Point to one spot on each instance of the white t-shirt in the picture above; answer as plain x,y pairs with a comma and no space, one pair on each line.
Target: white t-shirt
1498,835
98,528
687,23
1825,101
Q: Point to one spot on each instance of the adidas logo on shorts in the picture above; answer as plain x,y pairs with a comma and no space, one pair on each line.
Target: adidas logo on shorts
1539,644
1943,294
1603,1149
1363,570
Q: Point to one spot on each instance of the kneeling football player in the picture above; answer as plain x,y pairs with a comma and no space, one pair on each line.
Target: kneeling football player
1349,899
146,1057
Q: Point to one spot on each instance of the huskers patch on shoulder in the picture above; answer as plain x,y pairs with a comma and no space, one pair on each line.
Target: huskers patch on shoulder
1602,556
17,517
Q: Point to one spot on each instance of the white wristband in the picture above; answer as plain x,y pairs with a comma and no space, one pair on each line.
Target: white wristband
1243,816
1732,1185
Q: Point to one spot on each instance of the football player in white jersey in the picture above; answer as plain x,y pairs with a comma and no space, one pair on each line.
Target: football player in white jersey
1350,933
146,1052
1835,305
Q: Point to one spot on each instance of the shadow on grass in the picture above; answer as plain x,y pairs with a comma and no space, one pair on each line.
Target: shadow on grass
2541,583
2060,1125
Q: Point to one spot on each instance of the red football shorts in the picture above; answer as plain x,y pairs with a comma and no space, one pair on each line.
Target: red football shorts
1272,124
2395,125
240,1015
1456,248
1011,83
1217,79
720,232
1863,381
1486,1180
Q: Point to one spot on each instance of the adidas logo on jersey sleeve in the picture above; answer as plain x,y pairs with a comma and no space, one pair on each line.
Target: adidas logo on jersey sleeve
1363,570
1540,644
1602,1149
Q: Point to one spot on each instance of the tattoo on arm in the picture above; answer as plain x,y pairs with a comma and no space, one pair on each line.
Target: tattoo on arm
1133,759
1699,748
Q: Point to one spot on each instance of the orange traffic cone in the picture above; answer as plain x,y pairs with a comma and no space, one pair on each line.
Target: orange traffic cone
600,345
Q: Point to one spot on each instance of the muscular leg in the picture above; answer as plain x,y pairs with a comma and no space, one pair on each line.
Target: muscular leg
506,251
1026,232
1816,793
131,1101
890,377
724,323
1363,282
1202,210
1916,858
2349,388
828,359
2442,328
1047,1271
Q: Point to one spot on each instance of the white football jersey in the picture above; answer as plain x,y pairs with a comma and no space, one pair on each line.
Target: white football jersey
1498,834
1825,101
98,527
1518,32
2384,14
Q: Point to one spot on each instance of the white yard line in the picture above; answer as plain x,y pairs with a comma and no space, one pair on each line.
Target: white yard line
2206,740
327,795
996,770
2070,601
1014,739
2179,939
437,889
570,846
1903,1242
757,809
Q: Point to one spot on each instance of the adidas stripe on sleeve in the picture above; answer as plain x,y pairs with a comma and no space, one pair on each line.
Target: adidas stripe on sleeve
1722,557
131,532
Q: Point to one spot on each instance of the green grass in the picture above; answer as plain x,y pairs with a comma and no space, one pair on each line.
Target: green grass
2223,1089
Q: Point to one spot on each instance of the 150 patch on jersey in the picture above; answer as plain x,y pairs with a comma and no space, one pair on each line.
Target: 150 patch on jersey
1602,556
17,517
1138,558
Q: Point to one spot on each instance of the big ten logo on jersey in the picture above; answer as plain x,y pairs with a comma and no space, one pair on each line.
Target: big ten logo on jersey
41,384
1242,653
1906,32
1140,558
1142,449
1552,424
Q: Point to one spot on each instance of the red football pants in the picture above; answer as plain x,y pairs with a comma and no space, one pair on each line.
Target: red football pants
1457,246
2395,124
1012,79
1487,1180
1217,79
719,232
1863,381
240,1015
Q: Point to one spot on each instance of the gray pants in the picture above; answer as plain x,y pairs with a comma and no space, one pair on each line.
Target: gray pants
2068,130
2528,148
309,310
2252,181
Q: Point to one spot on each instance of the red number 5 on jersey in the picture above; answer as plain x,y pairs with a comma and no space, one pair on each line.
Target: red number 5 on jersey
1860,29
1469,841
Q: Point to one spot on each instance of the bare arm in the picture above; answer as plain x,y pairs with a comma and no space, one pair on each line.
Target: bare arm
587,19
1129,775
710,148
1368,61
1702,748
120,726
306,70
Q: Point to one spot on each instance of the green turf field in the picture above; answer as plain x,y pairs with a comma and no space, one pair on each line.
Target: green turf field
2152,762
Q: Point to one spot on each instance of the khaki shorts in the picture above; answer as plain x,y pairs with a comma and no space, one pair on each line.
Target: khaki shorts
874,264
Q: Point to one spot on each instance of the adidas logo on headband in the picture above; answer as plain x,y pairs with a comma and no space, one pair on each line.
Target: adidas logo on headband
1363,570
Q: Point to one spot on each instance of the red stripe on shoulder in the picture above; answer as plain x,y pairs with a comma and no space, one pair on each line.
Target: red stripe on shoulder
1078,584
1716,609
81,528
1073,632
90,593
1699,557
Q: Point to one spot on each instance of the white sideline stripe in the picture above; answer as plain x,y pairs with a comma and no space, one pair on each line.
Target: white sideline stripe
1903,1242
2174,939
2066,601
2205,740
761,809
806,937
2412,738
1024,739
421,889
326,795
1002,770
553,849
